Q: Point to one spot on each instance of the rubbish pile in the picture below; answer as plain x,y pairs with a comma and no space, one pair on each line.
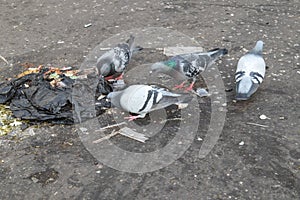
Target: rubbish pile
47,94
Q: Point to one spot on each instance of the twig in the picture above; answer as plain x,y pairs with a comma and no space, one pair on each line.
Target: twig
127,132
172,119
106,137
4,59
105,48
255,124
111,126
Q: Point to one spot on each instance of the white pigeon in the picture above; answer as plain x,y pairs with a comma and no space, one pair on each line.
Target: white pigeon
113,63
188,66
142,99
250,72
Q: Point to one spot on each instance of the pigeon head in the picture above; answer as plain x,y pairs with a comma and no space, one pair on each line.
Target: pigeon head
104,66
114,98
245,88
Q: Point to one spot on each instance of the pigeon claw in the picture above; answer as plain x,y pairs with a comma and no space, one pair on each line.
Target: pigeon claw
179,86
112,77
190,87
109,78
119,77
131,118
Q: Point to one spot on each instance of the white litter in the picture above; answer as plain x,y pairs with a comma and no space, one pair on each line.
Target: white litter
87,25
202,92
263,117
172,51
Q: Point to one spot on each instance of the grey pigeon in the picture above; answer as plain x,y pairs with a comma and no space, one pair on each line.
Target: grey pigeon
113,63
142,99
188,66
250,72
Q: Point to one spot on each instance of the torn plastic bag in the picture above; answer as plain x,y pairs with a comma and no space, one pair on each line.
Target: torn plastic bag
33,97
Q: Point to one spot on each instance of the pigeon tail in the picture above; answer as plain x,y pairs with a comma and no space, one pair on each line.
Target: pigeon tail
137,49
167,93
258,48
217,52
185,98
169,100
130,43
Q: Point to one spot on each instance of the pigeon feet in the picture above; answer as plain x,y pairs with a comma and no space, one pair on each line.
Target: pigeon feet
119,77
179,86
190,87
112,77
131,118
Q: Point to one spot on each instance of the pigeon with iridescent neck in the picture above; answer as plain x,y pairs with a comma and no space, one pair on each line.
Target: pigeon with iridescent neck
250,72
188,66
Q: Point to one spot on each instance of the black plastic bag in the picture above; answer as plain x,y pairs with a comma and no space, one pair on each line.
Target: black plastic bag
32,97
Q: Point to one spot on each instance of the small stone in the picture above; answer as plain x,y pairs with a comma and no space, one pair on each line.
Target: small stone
35,180
83,129
228,89
241,143
263,117
87,25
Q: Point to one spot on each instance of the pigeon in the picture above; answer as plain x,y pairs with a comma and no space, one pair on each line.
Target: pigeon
113,63
250,72
142,99
188,66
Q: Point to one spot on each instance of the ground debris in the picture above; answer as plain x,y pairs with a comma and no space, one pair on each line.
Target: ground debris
255,124
87,25
128,132
7,122
125,131
2,58
49,94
